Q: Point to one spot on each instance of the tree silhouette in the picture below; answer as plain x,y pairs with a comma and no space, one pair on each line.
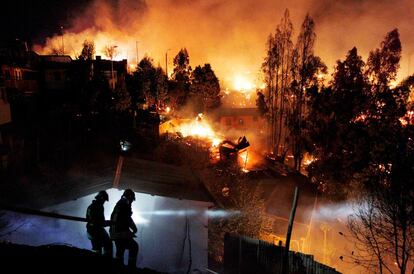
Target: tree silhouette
305,69
205,87
384,62
88,50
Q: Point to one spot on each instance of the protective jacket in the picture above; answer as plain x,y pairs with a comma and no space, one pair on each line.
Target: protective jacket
95,217
121,221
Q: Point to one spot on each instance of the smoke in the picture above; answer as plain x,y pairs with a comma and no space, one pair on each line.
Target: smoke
231,35
191,212
333,212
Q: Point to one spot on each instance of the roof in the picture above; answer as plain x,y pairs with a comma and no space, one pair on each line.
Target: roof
162,179
278,190
56,58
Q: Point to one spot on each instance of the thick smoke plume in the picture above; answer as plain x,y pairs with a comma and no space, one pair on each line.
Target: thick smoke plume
231,34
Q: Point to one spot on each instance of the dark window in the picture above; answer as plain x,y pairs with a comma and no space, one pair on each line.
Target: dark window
7,75
3,95
57,76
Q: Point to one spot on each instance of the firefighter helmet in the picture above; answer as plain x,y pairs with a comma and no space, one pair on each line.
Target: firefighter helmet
102,195
129,194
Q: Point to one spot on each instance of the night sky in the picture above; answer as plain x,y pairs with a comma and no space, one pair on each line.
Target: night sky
34,20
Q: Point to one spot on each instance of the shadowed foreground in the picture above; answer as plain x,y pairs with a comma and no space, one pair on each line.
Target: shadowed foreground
58,259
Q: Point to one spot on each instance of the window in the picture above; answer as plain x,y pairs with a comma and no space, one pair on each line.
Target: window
228,121
57,76
7,75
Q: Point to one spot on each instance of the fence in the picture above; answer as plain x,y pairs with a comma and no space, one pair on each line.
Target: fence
243,255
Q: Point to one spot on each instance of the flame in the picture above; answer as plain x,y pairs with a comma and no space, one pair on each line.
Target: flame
242,84
244,160
198,127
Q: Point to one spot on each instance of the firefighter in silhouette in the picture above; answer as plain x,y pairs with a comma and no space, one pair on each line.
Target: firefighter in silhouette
96,225
123,228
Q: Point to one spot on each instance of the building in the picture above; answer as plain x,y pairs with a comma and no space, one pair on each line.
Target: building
5,119
55,72
18,66
239,118
19,78
237,122
114,72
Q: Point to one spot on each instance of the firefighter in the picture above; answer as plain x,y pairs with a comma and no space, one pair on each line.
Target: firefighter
96,225
123,229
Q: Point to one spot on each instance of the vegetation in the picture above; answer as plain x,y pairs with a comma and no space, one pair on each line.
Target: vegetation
359,129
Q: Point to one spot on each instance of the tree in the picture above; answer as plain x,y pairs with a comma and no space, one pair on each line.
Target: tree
149,83
161,85
121,99
305,69
383,225
363,146
205,88
97,95
182,67
179,86
88,50
243,199
384,62
111,51
261,103
334,126
277,77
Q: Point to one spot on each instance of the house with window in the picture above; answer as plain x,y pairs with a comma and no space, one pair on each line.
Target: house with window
239,119
20,78
55,71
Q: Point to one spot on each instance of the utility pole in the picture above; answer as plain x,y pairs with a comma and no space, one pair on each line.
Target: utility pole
325,228
289,231
63,45
112,53
136,47
166,62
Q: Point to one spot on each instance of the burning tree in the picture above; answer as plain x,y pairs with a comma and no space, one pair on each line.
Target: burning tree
305,69
362,146
88,50
289,72
276,68
334,130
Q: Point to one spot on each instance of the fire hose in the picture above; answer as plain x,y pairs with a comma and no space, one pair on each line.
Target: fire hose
36,212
